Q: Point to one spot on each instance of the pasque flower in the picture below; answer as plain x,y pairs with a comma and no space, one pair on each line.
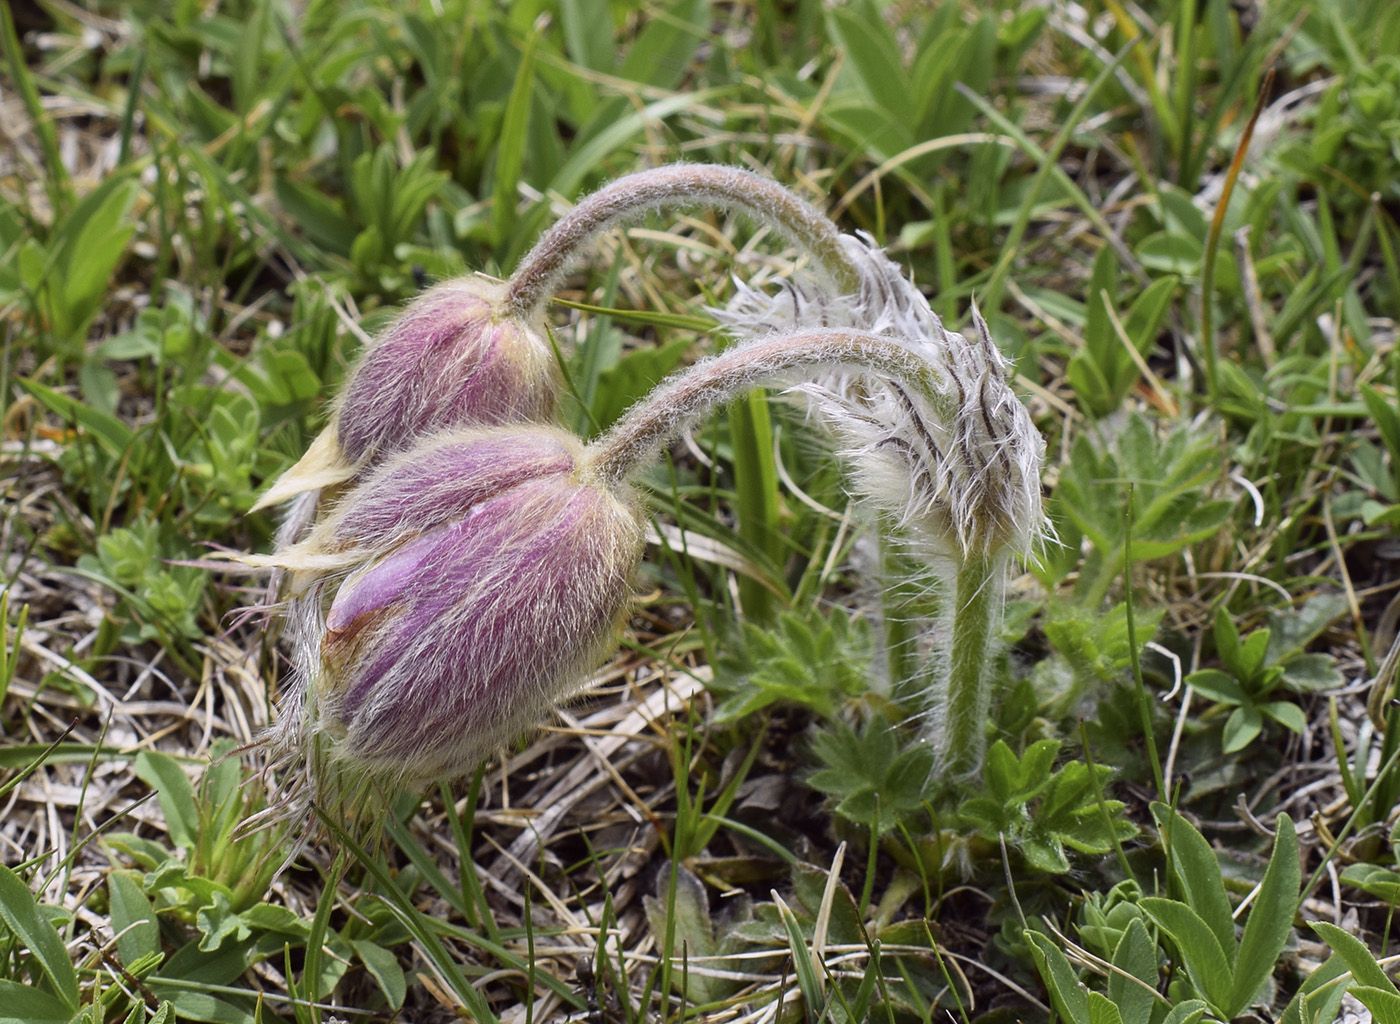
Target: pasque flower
473,562
445,603
954,474
474,351
453,358
466,585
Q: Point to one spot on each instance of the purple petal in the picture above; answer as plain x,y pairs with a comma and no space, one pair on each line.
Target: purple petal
441,480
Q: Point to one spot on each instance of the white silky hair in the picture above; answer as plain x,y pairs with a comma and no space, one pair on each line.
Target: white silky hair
956,473
961,475
517,634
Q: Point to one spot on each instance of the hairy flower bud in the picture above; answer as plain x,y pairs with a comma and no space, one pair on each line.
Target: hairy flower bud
452,359
449,600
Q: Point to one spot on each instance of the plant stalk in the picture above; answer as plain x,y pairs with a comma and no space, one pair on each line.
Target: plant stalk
979,587
537,277
634,439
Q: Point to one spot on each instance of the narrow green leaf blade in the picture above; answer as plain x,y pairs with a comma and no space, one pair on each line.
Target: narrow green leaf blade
164,774
133,918
1136,956
1055,970
20,912
1197,874
1384,1006
510,149
27,1005
1270,917
1206,961
1355,954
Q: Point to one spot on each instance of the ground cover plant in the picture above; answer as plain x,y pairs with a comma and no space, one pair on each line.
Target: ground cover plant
1179,223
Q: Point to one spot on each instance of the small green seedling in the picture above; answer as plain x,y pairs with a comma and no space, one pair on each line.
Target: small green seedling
1040,812
1250,672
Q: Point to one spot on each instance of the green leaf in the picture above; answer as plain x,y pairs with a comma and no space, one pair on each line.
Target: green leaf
588,35
1241,728
24,1004
1187,1012
1206,960
1196,874
586,158
1136,957
384,967
662,52
1144,320
163,774
1374,880
1386,417
20,912
1227,644
1218,686
110,432
1069,996
510,147
802,965
133,918
1308,673
1101,1011
94,240
1286,714
1354,953
1384,1006
1319,997
1270,917
872,54
632,377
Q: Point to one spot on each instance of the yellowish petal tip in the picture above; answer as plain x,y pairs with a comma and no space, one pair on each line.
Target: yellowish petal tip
321,466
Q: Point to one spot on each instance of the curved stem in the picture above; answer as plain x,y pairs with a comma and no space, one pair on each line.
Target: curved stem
538,275
672,406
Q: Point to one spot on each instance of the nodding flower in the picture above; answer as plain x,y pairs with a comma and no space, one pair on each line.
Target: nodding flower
469,563
444,604
453,358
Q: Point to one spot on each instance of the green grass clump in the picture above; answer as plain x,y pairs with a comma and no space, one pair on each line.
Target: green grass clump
206,209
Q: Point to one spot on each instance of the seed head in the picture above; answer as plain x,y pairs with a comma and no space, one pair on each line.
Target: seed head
957,467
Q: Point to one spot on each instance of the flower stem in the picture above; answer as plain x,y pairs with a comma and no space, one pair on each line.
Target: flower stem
978,592
671,407
538,275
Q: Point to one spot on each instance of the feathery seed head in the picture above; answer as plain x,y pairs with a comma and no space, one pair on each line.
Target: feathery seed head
959,465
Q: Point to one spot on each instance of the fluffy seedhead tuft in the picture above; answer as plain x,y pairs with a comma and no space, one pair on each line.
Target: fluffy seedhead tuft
446,603
957,466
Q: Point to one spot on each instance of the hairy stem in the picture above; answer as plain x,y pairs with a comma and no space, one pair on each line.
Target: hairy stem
660,417
538,275
978,592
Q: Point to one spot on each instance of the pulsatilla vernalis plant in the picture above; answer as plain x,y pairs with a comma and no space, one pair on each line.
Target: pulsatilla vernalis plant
469,562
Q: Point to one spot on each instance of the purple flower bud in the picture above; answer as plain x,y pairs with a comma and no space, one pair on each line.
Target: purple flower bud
452,359
448,361
492,572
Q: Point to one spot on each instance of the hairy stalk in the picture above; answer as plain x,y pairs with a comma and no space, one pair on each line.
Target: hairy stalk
962,700
659,418
937,442
540,271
